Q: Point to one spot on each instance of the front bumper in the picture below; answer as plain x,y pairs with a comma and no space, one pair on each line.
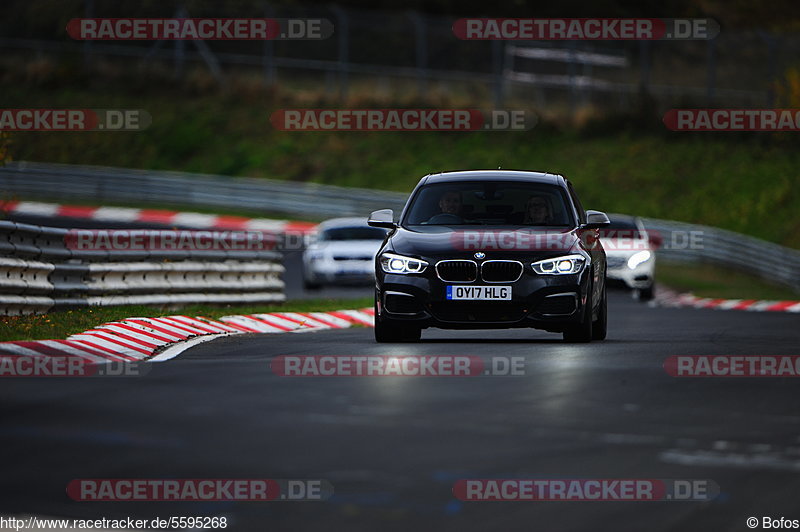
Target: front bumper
546,302
640,277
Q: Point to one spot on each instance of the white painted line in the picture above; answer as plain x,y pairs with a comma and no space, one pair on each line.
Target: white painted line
176,349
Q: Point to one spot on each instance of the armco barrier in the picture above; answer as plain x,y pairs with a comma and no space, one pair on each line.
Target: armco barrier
39,271
102,184
728,249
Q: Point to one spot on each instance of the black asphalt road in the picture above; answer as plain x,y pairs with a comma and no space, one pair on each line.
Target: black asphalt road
392,447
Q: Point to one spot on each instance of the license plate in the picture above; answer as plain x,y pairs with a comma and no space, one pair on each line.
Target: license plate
479,293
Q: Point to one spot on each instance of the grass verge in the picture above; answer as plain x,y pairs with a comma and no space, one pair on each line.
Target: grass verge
59,325
742,182
706,280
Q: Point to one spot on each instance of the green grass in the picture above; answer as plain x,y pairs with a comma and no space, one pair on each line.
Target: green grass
59,325
705,280
745,183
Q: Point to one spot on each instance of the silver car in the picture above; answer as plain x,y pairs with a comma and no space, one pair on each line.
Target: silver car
630,254
342,251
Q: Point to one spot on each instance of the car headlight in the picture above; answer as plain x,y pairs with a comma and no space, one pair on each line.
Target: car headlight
638,258
316,255
560,265
391,263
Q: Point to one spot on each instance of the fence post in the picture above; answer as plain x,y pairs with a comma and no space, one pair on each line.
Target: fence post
421,43
644,66
712,70
342,30
571,70
180,48
772,45
268,50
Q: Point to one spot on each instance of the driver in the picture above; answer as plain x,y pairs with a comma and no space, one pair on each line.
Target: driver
450,203
538,211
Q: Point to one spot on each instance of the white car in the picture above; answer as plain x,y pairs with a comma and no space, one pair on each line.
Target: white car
630,254
342,251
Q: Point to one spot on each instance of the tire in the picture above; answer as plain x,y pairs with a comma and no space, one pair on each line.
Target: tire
600,325
390,331
646,294
581,332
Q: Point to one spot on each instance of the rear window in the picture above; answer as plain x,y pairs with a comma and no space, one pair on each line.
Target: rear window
490,203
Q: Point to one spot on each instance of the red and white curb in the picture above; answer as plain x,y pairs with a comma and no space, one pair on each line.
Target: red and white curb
666,298
172,218
158,339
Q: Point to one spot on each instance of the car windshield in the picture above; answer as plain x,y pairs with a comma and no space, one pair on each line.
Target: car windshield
621,229
494,203
352,233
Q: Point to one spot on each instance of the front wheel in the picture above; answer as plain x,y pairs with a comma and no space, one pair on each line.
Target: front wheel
581,332
600,325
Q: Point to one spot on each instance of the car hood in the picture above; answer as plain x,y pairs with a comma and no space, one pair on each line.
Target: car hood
448,242
624,247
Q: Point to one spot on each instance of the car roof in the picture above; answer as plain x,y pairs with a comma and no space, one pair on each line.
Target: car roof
493,175
344,222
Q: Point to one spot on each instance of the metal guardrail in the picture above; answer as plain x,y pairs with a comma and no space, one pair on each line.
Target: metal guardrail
729,249
39,180
68,182
39,271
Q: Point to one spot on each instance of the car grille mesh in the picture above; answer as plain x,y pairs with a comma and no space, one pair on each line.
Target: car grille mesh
501,271
457,271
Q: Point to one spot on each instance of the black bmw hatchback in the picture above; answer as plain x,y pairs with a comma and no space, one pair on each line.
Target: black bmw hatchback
490,249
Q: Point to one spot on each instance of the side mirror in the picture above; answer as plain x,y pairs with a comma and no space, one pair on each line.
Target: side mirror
596,220
382,218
